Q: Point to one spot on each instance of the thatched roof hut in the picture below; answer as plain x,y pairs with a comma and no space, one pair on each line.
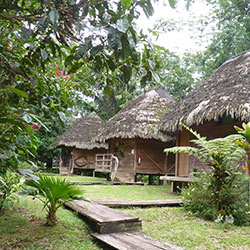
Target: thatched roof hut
80,134
226,91
140,118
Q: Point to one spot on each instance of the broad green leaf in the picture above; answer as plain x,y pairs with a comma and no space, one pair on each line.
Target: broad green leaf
122,25
127,72
126,50
156,77
38,120
126,4
81,51
20,140
43,24
44,54
147,8
172,3
188,4
114,38
54,16
19,92
96,49
72,2
25,33
52,47
27,118
69,59
27,61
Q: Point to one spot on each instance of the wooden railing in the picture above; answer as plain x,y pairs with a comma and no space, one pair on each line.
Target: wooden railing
103,163
115,164
107,163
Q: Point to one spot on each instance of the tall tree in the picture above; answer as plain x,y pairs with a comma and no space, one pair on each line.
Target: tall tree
232,36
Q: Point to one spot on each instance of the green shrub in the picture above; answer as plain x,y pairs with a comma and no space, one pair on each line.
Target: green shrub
230,204
9,184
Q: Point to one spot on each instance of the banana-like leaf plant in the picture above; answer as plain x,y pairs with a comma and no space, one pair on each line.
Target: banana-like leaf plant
52,191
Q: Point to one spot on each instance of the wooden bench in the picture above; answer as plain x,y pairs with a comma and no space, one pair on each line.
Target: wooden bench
177,182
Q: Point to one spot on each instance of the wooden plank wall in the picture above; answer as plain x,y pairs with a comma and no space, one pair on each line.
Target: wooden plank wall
182,159
153,157
65,159
86,156
211,130
124,149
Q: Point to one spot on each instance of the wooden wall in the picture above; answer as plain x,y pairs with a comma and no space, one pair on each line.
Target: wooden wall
186,164
84,158
182,160
78,157
153,157
150,150
124,149
65,160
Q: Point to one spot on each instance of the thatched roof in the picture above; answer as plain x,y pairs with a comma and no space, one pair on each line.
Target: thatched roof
80,134
140,118
226,91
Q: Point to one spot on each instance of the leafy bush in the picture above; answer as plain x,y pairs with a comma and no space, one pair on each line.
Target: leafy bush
221,193
230,204
9,184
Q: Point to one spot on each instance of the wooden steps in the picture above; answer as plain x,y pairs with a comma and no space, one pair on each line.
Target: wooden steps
149,203
124,176
105,219
133,241
115,229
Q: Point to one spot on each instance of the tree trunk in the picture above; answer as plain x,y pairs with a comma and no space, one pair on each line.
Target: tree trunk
51,217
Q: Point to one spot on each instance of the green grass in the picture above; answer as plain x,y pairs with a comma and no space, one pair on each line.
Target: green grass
23,228
78,178
175,226
127,192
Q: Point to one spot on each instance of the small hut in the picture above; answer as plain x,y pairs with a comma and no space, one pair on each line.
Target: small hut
212,109
134,137
78,149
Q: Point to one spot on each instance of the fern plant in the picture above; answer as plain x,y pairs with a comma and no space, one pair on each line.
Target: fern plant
203,148
216,194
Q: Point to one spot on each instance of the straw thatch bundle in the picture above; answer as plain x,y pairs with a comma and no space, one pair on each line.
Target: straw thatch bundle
140,118
226,91
80,134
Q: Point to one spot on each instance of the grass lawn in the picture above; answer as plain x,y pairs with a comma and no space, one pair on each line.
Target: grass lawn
78,178
23,228
175,226
127,192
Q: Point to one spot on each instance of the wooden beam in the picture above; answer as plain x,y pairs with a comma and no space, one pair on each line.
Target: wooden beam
156,164
149,203
133,240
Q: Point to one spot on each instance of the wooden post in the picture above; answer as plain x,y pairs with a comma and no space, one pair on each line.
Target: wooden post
150,179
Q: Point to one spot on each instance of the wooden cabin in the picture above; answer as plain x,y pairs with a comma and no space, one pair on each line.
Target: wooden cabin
212,109
78,149
134,138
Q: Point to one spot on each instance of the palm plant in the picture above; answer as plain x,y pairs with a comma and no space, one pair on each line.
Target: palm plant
52,191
